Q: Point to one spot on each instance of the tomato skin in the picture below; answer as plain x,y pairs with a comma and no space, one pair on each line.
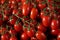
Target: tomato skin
11,31
23,1
6,17
24,36
41,6
46,21
40,35
55,32
30,32
41,27
18,0
54,24
33,38
42,14
12,21
2,1
18,27
58,37
13,38
25,9
34,13
5,37
15,11
12,1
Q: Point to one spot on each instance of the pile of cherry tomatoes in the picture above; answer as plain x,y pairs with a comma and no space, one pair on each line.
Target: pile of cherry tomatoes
29,19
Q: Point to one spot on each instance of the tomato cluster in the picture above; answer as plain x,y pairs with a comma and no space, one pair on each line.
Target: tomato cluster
29,20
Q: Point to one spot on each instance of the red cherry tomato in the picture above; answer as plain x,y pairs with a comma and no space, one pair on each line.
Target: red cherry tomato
30,32
12,21
6,17
5,37
24,36
55,32
25,9
11,31
12,1
2,1
41,14
41,27
41,6
40,35
58,37
15,11
54,24
33,38
23,1
18,27
13,38
46,21
18,0
34,13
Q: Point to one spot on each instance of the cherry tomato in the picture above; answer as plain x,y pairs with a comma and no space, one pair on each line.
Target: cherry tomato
15,11
12,1
41,27
54,24
34,13
41,6
12,21
46,21
12,31
58,37
30,32
33,38
5,37
6,17
23,1
25,29
41,14
25,9
55,32
13,38
24,36
18,27
2,1
40,35
18,0
12,6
